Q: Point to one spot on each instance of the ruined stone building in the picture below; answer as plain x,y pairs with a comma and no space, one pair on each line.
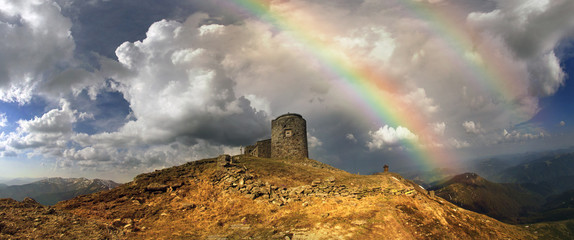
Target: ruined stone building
260,149
288,139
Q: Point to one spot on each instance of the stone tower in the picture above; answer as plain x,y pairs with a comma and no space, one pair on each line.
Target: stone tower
289,137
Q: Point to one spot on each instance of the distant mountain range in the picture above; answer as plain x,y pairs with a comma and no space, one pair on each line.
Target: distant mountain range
546,173
522,188
18,181
508,202
555,172
52,190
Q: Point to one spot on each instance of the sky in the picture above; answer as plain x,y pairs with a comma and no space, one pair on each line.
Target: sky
114,88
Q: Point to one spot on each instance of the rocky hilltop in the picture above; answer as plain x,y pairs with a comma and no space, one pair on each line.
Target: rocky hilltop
232,198
247,197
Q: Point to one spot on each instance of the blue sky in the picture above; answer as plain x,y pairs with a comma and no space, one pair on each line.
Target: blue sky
559,107
114,88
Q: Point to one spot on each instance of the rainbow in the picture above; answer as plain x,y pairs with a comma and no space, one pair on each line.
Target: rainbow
494,77
374,90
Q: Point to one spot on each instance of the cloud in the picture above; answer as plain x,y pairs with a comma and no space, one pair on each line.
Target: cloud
458,143
472,127
351,137
419,98
36,43
439,128
313,141
194,98
516,136
47,135
532,30
389,136
54,121
88,154
3,120
53,125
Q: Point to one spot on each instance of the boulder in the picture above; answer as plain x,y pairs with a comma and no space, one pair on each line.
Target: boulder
156,187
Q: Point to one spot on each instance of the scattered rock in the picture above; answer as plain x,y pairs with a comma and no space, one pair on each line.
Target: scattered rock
50,211
224,160
188,206
156,187
316,182
118,223
330,179
240,226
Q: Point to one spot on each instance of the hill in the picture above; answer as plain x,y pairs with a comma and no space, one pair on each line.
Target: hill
555,172
557,207
505,202
52,190
275,199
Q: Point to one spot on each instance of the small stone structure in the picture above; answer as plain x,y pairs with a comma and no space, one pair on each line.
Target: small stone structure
288,139
260,149
386,168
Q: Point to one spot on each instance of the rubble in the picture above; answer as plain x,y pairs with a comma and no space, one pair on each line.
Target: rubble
238,178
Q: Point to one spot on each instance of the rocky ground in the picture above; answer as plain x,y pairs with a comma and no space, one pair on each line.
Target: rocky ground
253,198
30,220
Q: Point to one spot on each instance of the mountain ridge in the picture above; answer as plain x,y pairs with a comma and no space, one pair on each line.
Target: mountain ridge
504,201
49,191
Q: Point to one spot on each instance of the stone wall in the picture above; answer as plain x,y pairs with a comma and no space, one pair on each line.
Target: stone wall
251,150
264,148
260,149
289,137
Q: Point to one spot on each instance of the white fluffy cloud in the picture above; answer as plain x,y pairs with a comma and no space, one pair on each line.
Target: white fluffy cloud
388,136
419,98
516,136
472,127
181,66
351,137
313,141
47,135
3,120
458,143
36,43
439,128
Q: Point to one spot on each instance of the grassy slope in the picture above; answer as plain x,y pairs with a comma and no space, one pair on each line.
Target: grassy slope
199,205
